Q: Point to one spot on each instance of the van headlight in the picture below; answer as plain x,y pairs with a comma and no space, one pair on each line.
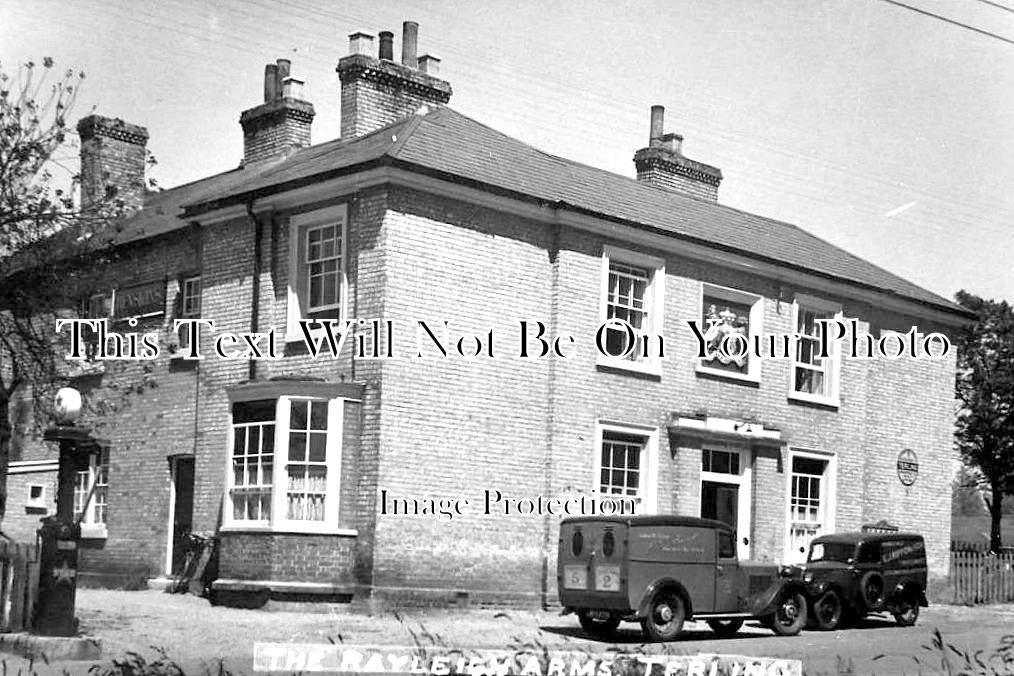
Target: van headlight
807,577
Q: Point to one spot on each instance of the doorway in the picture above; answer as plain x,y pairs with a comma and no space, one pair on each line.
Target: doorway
811,501
181,510
725,490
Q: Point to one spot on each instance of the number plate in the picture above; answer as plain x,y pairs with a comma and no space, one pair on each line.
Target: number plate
575,577
607,578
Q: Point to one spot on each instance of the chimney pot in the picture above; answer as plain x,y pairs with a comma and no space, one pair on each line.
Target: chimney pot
657,123
292,88
409,41
270,82
280,124
284,66
429,64
387,45
360,42
672,143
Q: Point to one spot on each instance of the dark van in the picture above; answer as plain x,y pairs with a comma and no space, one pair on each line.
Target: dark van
848,575
664,570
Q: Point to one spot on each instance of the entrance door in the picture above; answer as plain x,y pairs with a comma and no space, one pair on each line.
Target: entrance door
720,501
810,502
725,491
181,510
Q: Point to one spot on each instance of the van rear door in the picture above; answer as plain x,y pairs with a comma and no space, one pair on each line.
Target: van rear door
591,559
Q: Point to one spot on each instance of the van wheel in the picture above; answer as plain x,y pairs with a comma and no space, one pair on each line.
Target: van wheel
907,611
665,617
827,611
597,626
872,587
725,628
790,614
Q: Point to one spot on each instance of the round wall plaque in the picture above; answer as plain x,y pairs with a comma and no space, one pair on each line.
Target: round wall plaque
908,467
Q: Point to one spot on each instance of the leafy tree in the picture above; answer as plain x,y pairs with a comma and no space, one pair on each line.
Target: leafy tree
46,242
985,388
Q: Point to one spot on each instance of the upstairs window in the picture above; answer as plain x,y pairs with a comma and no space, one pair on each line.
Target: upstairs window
814,376
318,260
323,270
632,303
190,306
96,306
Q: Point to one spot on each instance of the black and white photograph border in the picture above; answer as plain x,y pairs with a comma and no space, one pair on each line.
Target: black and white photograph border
534,338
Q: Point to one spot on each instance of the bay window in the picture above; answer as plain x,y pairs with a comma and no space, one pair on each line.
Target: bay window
285,463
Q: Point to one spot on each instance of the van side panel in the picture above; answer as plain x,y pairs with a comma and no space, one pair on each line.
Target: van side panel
682,553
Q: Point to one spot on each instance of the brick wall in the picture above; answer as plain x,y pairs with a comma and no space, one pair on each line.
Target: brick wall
678,183
275,128
481,269
113,156
376,93
452,427
146,412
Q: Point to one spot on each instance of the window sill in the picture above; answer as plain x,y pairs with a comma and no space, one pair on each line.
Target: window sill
94,531
748,378
816,400
651,368
289,530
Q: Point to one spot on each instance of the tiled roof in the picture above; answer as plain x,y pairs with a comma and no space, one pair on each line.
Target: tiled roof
451,144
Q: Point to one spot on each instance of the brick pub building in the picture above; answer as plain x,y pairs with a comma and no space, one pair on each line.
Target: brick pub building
418,213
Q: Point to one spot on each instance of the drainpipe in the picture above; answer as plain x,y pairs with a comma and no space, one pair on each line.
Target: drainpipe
548,488
255,301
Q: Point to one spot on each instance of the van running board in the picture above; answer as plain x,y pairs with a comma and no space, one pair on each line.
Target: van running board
722,616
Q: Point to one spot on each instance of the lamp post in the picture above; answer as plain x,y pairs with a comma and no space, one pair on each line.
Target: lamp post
60,534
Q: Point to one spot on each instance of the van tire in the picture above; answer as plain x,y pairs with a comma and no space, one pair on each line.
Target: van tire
665,616
790,614
907,611
597,627
827,611
872,588
725,628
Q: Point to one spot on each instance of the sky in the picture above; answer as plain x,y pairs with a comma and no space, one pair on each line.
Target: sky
872,125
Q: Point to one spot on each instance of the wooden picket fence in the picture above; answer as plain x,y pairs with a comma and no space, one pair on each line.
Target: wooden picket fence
982,577
19,585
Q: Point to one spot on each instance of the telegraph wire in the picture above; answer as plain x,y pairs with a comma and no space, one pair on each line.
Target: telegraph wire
998,5
952,21
727,138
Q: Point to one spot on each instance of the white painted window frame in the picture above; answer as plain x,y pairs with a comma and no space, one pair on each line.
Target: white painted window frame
278,522
744,479
654,298
832,373
647,490
829,494
297,284
187,285
90,527
756,328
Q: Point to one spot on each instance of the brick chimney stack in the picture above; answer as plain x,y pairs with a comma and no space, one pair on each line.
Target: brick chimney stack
376,91
113,159
662,163
280,124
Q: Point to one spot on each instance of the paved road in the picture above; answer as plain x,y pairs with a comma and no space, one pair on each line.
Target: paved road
196,634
